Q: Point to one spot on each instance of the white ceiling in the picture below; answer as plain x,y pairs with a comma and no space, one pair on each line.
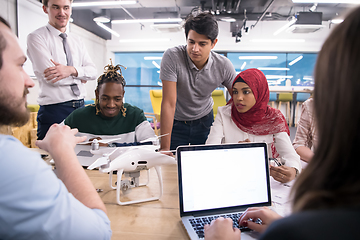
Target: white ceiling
256,10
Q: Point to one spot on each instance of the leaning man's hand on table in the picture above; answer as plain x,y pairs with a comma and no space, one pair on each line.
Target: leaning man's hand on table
221,228
59,138
166,152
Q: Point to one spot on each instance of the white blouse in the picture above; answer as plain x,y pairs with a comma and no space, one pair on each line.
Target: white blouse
224,130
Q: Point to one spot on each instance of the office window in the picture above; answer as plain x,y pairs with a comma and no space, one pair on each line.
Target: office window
141,75
295,69
301,67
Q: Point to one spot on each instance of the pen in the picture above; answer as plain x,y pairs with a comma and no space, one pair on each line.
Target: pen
278,163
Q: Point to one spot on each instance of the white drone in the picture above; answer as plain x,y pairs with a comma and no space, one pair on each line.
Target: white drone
130,161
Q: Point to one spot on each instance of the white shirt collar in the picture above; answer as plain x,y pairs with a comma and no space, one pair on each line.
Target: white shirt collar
55,31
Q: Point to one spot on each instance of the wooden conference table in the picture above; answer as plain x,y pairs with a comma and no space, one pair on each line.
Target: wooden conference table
155,220
160,219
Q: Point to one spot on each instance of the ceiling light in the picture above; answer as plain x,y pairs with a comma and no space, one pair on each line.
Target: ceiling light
243,66
337,21
107,29
278,76
166,28
153,20
327,1
137,40
156,64
152,58
257,57
270,82
308,78
273,68
279,40
228,19
292,21
295,60
102,4
101,19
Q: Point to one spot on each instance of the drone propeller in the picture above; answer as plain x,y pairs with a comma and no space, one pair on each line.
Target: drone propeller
105,141
153,138
102,160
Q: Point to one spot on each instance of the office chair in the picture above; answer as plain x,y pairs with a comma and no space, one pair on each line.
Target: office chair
156,98
286,98
300,98
272,99
219,100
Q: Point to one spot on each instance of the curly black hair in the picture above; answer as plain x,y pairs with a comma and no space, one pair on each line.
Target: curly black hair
111,74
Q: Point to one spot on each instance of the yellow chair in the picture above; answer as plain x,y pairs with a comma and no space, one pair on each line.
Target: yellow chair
219,100
286,98
33,107
27,133
156,97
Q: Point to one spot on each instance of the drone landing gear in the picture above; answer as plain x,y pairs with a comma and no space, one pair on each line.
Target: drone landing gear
134,182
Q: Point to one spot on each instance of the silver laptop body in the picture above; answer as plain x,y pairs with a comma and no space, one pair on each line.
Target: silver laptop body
83,154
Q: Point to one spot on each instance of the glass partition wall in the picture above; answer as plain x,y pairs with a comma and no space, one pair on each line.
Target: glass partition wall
281,69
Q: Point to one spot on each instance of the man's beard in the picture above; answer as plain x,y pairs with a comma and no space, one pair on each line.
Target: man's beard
10,113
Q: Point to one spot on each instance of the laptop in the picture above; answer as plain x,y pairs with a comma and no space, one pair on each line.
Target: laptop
221,180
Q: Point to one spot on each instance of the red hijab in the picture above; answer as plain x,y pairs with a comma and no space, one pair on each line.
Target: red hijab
261,119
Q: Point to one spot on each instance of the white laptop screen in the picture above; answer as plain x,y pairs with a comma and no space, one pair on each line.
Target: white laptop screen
219,178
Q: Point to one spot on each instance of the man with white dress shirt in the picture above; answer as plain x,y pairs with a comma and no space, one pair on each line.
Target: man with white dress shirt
61,65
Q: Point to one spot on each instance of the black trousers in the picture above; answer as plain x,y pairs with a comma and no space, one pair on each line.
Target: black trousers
55,113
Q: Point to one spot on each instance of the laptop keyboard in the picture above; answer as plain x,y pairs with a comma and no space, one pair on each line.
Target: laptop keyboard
198,223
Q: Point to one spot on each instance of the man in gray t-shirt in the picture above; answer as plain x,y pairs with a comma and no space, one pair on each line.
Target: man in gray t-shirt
189,75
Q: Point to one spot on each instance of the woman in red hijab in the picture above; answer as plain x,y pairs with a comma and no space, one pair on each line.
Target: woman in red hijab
248,118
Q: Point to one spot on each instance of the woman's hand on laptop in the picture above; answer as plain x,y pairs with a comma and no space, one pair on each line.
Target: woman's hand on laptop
258,218
221,228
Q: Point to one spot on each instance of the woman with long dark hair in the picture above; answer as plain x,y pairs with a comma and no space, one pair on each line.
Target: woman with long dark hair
326,201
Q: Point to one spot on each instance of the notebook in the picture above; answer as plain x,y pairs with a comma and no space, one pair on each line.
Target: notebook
221,180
